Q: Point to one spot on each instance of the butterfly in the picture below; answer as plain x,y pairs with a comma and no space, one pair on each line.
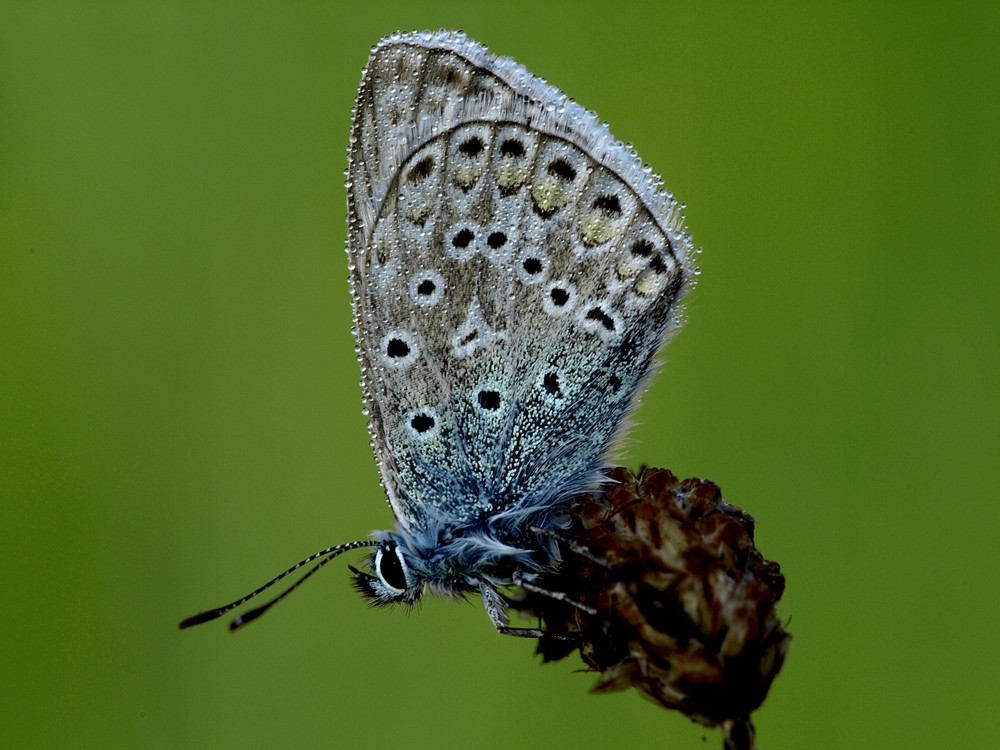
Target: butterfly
514,271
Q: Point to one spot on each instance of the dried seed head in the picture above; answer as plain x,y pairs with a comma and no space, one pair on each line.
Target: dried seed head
686,605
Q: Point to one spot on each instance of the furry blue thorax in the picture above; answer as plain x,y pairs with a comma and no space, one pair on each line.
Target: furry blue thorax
449,560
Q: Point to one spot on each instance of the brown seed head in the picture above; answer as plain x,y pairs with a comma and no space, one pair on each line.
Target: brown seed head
686,605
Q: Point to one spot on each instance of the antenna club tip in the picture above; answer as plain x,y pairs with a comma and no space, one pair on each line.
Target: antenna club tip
197,619
247,617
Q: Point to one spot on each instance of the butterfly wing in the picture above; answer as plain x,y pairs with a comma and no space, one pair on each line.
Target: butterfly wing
514,271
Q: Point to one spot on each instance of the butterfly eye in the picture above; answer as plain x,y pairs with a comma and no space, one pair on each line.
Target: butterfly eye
389,567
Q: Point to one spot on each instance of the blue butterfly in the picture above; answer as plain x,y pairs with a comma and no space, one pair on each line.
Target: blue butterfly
514,271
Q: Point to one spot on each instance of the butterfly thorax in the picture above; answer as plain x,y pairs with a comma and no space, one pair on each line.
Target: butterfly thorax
451,560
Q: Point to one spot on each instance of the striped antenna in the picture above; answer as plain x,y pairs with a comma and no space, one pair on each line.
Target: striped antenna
329,553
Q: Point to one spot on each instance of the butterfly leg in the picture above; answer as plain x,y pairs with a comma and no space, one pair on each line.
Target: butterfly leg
572,545
559,596
497,611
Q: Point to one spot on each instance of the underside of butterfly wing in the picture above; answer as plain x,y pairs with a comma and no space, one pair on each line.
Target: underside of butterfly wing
514,271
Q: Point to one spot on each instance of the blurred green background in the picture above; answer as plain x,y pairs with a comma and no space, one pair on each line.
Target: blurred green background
180,404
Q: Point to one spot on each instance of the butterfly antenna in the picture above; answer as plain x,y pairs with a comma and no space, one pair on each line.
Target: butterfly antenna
329,553
253,614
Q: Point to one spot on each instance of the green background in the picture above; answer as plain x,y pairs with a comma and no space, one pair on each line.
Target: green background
180,404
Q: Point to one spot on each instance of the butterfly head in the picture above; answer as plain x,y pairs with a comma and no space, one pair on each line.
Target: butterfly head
393,582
